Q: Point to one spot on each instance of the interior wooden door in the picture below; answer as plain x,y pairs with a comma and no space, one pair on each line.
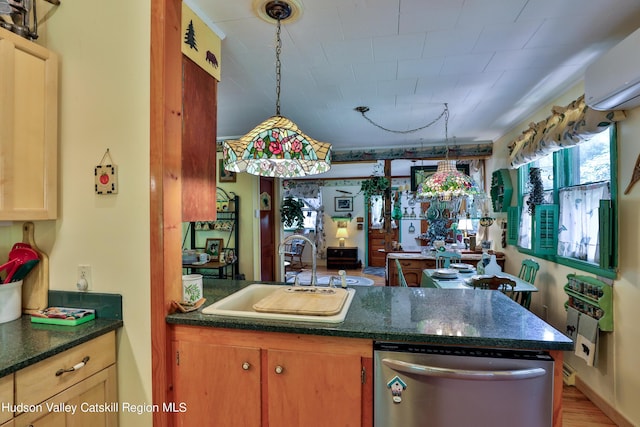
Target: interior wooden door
267,233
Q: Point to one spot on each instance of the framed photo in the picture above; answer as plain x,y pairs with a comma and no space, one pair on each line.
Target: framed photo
343,204
420,173
215,248
225,175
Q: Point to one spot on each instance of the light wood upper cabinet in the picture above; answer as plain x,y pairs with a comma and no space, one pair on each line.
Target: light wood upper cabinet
28,129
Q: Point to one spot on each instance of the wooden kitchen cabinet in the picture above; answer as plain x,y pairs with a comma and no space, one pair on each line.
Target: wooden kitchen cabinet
87,387
198,150
28,129
6,396
218,383
248,378
412,270
342,257
412,267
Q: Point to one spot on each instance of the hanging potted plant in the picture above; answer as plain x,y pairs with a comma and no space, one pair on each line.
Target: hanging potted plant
536,197
291,213
374,186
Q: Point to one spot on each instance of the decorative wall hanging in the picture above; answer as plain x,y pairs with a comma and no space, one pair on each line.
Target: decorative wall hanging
343,204
200,43
265,201
106,176
635,177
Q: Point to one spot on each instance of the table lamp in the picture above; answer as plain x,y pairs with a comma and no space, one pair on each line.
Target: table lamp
342,234
465,225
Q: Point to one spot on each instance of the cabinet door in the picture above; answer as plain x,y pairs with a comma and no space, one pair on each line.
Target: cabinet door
198,143
86,397
6,396
28,129
219,385
305,388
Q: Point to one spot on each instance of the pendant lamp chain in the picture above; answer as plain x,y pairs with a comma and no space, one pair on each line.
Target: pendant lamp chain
278,67
446,130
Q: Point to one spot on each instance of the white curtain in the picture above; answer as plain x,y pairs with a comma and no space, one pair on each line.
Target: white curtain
524,236
578,223
309,191
567,127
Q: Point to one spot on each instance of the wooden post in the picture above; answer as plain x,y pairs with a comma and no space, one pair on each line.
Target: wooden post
388,236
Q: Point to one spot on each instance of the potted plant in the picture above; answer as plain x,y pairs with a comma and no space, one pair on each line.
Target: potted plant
536,197
374,186
291,213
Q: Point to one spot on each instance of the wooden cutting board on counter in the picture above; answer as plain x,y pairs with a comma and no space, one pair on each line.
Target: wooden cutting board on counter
35,286
307,300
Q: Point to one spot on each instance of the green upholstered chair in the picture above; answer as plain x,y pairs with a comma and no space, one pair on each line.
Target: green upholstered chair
528,272
401,280
444,259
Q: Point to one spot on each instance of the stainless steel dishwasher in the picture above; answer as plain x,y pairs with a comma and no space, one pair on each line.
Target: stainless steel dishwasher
443,386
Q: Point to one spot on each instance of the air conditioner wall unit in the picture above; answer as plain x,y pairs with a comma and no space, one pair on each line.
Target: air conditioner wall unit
612,82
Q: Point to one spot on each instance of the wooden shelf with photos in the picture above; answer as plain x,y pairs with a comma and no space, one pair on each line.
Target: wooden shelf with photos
219,239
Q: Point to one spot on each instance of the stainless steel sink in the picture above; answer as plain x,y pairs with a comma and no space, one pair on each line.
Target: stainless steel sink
240,304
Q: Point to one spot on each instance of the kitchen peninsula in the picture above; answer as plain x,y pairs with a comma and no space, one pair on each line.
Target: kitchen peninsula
413,263
276,367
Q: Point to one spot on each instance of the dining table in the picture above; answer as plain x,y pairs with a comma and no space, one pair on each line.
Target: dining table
464,280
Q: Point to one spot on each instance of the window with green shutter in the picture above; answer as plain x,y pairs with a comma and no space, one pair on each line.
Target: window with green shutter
574,221
545,225
513,221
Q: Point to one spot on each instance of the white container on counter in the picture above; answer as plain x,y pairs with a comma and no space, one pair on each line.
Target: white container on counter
191,288
10,301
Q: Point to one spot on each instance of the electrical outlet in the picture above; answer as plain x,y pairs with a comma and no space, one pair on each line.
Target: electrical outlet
84,277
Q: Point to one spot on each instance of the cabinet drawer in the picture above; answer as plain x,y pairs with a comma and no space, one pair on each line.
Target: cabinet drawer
411,263
6,396
37,383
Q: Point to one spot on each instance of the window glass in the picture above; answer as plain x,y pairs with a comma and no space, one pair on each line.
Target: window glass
309,218
377,206
593,159
524,236
546,171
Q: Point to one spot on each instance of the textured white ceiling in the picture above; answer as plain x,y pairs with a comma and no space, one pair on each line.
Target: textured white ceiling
493,61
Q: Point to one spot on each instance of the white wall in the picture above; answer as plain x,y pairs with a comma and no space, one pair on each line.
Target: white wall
616,377
103,103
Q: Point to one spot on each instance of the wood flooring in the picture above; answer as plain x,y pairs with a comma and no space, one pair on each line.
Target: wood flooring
577,409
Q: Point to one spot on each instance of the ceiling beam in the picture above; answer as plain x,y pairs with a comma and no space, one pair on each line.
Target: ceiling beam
482,150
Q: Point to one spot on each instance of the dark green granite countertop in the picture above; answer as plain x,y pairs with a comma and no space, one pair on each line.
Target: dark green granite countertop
25,343
439,316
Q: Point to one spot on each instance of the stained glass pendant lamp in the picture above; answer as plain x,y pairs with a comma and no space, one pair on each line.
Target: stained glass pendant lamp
277,147
447,186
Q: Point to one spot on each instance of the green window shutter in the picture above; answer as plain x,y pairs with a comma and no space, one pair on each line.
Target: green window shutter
546,229
513,224
605,234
